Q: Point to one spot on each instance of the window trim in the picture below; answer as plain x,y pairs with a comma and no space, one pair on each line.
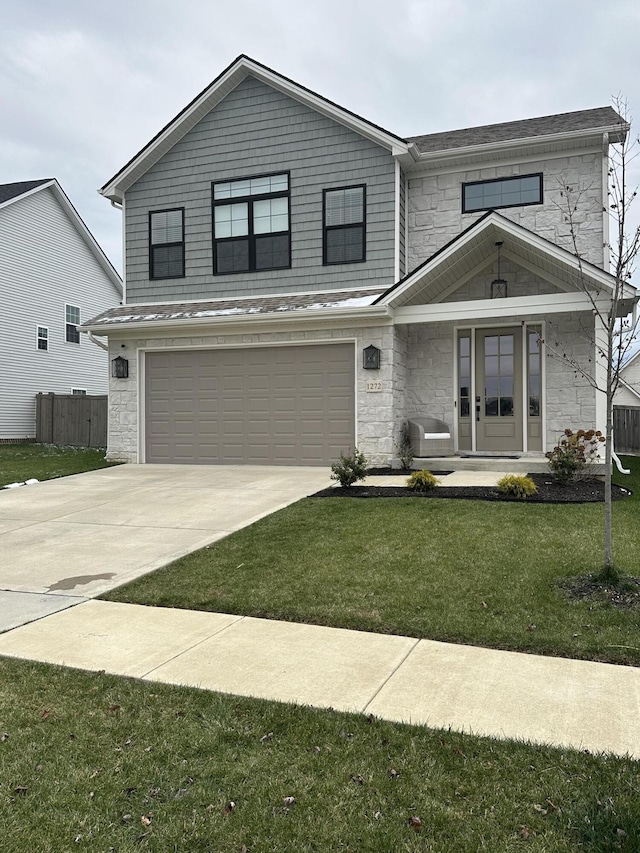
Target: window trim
250,236
539,175
326,228
45,339
75,325
78,392
181,243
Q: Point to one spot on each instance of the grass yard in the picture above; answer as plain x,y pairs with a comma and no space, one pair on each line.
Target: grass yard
20,462
94,762
458,571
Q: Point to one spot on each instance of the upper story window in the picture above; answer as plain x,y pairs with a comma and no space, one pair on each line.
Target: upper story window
502,192
72,321
344,231
166,243
42,338
251,229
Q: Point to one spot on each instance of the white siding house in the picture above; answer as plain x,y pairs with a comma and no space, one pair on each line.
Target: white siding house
53,275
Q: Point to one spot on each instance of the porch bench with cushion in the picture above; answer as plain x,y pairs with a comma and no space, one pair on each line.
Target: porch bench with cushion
430,437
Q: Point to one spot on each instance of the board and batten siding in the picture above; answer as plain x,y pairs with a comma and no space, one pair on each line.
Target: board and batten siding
257,130
45,264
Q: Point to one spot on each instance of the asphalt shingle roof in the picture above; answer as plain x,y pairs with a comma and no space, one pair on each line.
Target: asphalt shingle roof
9,191
152,312
600,117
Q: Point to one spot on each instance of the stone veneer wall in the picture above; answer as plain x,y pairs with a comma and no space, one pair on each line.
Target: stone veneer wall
378,414
570,398
435,215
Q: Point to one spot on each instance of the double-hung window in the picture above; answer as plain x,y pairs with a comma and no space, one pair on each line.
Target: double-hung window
72,321
344,231
42,338
166,243
502,192
251,229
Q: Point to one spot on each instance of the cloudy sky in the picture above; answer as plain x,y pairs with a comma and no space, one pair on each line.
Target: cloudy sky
84,84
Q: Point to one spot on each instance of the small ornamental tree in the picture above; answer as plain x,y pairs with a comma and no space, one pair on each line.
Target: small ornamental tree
614,332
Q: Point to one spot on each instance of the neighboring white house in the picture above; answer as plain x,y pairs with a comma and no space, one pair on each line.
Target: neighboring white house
53,276
628,393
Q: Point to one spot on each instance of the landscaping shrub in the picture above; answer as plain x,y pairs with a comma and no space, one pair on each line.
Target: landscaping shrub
518,485
404,449
574,454
422,481
349,469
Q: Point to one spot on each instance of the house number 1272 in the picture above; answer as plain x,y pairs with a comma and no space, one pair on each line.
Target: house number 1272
373,385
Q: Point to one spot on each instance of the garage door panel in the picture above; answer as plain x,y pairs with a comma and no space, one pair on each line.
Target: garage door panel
263,405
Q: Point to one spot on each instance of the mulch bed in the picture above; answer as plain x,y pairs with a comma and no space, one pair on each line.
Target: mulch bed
549,491
625,595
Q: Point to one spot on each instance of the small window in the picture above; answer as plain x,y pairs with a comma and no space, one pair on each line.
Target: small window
42,338
503,192
344,225
78,392
72,321
166,244
251,229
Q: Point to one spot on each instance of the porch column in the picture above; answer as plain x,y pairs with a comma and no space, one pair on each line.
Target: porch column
600,374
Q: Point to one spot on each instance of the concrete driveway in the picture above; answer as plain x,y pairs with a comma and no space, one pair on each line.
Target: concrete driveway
64,541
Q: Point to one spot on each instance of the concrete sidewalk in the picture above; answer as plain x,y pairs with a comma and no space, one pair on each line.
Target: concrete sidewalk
501,694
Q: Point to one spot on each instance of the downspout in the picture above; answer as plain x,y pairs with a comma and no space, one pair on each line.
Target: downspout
98,343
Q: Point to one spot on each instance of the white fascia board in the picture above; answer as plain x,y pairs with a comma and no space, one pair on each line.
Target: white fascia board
215,323
184,122
594,274
86,235
77,222
493,309
634,391
489,148
26,194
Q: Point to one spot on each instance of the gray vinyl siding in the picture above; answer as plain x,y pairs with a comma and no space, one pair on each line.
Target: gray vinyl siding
45,264
257,130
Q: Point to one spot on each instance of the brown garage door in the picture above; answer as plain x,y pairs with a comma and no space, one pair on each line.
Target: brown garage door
287,405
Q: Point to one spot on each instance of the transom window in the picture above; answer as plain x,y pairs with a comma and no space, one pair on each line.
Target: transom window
502,192
251,229
72,321
166,243
42,338
344,225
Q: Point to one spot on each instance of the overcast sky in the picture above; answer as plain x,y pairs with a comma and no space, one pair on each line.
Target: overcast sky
84,84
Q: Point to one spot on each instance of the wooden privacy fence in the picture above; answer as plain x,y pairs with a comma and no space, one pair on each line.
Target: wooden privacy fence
78,420
626,430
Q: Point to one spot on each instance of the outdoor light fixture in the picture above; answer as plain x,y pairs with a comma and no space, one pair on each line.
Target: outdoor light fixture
120,368
498,285
371,358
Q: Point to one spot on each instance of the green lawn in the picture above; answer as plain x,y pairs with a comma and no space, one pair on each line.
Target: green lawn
459,571
92,762
20,462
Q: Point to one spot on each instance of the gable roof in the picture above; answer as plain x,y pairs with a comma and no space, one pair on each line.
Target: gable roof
11,193
475,246
214,93
15,190
604,119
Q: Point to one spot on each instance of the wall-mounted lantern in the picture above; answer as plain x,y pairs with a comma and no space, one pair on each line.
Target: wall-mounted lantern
371,358
120,368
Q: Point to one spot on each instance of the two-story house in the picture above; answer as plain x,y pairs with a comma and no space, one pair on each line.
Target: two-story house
53,277
299,280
